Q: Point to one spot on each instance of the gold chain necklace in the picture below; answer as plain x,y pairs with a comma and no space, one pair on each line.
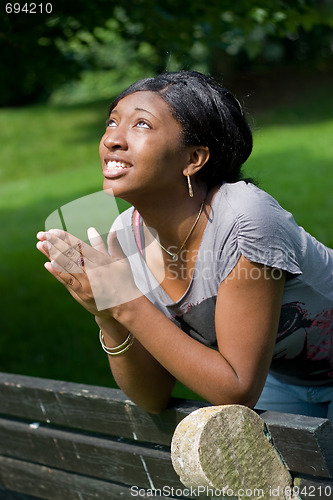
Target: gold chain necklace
175,255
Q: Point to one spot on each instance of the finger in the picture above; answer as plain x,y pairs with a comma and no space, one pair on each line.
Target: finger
64,242
64,264
41,247
41,235
96,240
67,258
58,247
66,251
57,232
54,268
60,274
114,246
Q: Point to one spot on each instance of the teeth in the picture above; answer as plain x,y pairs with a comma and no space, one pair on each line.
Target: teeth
116,164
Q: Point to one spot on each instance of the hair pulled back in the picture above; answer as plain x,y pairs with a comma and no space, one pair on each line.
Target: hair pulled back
209,115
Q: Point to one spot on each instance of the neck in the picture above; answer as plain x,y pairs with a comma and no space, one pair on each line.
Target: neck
173,216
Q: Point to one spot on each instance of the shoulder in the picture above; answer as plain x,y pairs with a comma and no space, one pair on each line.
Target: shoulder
254,209
256,226
244,197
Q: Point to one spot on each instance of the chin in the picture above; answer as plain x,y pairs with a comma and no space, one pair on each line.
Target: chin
109,191
115,191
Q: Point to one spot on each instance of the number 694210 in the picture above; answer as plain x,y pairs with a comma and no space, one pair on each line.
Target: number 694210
29,8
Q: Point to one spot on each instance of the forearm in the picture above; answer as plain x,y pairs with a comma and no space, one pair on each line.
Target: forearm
200,368
135,371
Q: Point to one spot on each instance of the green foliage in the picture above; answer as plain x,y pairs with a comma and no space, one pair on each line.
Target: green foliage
111,64
42,52
32,64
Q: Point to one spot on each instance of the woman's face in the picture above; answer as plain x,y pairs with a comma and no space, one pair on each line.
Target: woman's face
142,151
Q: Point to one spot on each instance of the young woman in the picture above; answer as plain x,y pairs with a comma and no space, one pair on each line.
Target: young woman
206,279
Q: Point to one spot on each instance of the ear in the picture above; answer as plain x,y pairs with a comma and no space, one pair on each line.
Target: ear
198,157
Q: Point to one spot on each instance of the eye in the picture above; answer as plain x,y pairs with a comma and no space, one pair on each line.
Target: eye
110,123
142,124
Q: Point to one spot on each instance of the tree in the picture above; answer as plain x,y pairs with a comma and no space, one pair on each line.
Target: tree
40,53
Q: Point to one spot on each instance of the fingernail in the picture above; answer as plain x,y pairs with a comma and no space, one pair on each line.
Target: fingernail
55,232
92,232
47,266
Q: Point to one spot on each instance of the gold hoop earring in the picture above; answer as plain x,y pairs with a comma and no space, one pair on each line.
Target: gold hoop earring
190,190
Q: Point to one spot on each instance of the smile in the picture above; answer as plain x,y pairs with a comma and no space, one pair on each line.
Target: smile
115,168
112,165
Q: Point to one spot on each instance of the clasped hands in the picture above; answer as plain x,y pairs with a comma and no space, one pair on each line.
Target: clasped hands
100,280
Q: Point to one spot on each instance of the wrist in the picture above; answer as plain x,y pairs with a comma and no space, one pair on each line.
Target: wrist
120,348
113,332
130,314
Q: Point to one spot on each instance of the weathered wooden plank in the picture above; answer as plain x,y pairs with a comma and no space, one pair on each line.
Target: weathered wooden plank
313,489
88,408
52,484
13,495
88,454
304,443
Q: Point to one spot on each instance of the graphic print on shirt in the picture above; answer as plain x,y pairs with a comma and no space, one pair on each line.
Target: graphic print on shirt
303,344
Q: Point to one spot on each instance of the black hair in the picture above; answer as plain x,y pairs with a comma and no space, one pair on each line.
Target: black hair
209,115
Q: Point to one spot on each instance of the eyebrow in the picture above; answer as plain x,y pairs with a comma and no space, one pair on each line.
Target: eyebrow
136,109
146,110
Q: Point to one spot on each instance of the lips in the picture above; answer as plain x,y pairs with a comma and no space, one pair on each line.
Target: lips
115,168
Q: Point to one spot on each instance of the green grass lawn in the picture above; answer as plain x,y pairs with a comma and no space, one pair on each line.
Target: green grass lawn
49,157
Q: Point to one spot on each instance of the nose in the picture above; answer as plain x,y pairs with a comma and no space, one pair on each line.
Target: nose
114,138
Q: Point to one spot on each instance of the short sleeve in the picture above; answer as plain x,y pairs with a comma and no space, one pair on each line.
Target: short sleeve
261,230
269,235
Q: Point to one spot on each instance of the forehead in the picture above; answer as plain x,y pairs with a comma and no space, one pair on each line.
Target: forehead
144,100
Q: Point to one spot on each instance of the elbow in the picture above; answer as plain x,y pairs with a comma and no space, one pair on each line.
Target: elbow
249,402
244,400
243,394
153,406
251,394
248,396
248,391
154,409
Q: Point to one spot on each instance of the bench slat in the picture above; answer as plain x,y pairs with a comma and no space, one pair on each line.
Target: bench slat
52,484
88,454
88,408
314,489
304,443
14,495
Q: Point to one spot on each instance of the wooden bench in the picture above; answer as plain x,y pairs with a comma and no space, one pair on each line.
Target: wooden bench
65,441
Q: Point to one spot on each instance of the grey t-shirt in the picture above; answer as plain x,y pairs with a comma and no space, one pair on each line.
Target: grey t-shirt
244,220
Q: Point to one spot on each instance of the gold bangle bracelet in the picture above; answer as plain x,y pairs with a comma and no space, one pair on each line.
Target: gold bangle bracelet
119,349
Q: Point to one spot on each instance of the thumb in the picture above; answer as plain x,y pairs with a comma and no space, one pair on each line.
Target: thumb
96,240
115,249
